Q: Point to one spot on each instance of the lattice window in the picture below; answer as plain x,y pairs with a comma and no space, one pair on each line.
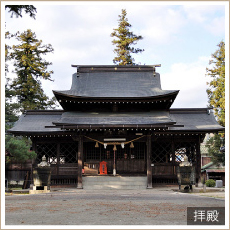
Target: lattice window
161,152
68,153
139,150
120,152
100,153
91,152
49,150
185,149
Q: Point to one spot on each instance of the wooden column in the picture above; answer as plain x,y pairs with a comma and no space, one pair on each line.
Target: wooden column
34,148
149,167
58,157
79,162
173,155
198,162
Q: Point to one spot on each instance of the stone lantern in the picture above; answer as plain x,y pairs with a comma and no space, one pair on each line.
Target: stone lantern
186,173
41,177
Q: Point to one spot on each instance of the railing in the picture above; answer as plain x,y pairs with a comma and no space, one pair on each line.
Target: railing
64,169
61,181
164,169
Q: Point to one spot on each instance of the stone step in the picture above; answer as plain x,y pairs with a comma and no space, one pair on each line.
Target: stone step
109,187
114,182
114,178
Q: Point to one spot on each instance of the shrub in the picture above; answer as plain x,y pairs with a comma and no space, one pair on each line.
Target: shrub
210,183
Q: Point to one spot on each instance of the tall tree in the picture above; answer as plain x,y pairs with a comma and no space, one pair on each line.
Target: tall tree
7,48
216,149
216,89
17,10
125,39
30,68
12,107
18,147
216,96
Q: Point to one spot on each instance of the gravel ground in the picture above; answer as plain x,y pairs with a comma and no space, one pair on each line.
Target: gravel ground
158,206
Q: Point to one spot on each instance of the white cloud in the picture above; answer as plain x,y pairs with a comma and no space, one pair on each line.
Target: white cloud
216,26
190,79
209,17
162,24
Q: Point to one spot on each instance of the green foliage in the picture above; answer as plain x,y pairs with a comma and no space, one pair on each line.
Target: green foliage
30,67
7,47
17,10
210,183
11,108
124,40
214,144
19,149
216,90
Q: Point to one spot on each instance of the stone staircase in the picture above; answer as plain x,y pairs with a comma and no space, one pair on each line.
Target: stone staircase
114,182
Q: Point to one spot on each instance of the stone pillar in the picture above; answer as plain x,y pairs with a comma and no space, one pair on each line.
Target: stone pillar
149,167
198,162
79,162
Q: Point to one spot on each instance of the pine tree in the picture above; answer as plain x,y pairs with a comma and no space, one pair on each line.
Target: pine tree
216,90
19,148
125,38
17,10
11,107
30,68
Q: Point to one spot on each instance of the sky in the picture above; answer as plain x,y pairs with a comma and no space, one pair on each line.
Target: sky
181,36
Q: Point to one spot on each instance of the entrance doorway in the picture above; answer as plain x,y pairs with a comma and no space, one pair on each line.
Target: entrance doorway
128,160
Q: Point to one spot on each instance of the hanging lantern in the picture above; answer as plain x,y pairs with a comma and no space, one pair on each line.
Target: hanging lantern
96,146
131,145
115,148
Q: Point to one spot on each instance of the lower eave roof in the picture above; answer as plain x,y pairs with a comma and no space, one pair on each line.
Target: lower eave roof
175,120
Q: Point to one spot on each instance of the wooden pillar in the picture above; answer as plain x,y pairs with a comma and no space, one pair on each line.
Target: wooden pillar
58,157
149,167
34,148
173,156
79,162
198,162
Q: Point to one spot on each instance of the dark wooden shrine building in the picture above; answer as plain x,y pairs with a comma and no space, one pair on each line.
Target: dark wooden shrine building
118,115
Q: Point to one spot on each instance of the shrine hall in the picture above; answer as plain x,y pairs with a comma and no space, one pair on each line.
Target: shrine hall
117,121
